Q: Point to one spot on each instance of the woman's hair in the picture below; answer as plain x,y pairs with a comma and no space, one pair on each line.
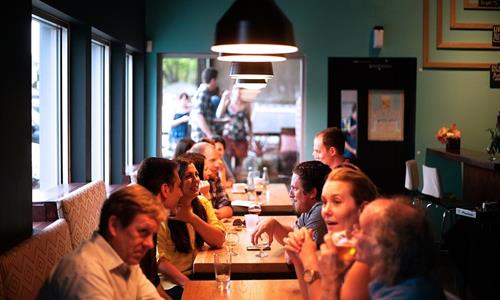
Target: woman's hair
405,243
197,159
183,95
128,202
183,146
219,139
178,229
362,188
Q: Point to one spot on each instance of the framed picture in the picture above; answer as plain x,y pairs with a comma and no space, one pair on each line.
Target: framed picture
385,115
495,76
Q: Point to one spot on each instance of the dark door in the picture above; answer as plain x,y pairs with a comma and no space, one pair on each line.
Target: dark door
384,91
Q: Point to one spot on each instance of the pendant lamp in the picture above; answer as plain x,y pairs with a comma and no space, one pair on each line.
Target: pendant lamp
251,70
250,84
251,57
254,27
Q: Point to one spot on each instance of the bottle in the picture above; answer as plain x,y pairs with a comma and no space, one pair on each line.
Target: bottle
265,179
251,185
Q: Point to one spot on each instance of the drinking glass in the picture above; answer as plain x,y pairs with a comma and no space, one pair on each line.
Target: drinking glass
251,222
231,241
222,269
255,208
262,242
344,242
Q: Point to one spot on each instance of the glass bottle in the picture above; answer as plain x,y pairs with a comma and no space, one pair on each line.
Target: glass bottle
265,179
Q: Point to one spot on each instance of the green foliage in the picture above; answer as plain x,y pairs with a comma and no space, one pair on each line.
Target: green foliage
495,140
179,69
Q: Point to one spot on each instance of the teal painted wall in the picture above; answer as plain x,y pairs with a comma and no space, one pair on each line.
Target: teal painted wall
339,28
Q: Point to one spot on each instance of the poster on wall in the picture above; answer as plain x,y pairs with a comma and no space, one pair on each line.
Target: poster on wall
495,76
385,115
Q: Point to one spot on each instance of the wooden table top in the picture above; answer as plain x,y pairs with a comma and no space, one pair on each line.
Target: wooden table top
246,261
275,201
243,289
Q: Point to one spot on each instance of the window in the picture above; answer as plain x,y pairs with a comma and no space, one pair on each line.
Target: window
100,112
49,111
129,108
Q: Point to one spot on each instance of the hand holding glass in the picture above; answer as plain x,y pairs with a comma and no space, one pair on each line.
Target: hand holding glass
344,242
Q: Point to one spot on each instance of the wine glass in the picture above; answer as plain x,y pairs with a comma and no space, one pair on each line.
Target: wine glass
231,241
255,208
262,242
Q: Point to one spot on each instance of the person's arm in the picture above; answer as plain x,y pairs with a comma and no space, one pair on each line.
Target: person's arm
168,269
164,247
224,212
356,282
145,290
202,123
210,231
249,121
179,121
274,229
221,109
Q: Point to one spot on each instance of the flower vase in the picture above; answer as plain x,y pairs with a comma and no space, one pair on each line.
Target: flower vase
453,145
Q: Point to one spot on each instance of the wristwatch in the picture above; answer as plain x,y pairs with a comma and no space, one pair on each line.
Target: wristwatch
310,276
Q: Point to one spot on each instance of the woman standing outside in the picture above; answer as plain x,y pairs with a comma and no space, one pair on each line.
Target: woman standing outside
237,131
182,235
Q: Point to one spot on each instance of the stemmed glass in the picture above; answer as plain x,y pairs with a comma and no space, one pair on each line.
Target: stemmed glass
231,241
262,242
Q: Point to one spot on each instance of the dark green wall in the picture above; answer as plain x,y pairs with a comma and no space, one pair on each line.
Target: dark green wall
340,28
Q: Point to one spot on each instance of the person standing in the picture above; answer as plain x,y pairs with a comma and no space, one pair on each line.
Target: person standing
180,123
238,131
329,147
203,111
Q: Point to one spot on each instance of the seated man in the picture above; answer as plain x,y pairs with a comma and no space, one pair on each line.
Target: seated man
218,195
306,187
395,241
107,265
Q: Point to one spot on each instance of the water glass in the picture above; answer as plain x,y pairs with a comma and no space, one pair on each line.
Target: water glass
231,241
222,269
251,222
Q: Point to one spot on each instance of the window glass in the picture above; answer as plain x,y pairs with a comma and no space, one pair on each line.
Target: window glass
129,107
49,121
100,111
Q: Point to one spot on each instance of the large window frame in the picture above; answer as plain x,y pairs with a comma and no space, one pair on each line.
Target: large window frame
50,117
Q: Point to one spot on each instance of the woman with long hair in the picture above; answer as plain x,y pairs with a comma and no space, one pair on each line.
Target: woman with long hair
345,192
182,235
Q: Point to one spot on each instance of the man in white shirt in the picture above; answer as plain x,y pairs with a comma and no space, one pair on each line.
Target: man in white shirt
107,265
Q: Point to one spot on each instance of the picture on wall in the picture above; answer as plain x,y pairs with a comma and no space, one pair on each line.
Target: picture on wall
385,115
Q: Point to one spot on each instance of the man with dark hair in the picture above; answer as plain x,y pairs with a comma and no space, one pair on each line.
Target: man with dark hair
106,266
203,112
395,241
161,177
306,187
219,199
329,147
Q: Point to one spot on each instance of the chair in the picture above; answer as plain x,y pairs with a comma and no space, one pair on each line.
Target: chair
440,216
82,209
412,182
432,182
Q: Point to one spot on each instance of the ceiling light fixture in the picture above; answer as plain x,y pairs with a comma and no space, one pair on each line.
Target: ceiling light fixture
250,84
254,28
251,70
251,57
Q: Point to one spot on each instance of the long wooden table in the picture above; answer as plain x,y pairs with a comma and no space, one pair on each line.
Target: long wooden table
243,289
246,262
274,202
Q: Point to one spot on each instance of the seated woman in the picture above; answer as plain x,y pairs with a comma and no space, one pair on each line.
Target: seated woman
225,173
183,235
345,192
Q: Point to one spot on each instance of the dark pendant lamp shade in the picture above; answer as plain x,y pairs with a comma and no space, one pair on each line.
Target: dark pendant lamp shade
250,84
251,70
254,27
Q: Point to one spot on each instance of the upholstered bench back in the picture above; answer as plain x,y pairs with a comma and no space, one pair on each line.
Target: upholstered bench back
24,268
82,209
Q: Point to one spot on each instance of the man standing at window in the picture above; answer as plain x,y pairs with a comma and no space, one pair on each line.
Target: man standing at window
203,112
